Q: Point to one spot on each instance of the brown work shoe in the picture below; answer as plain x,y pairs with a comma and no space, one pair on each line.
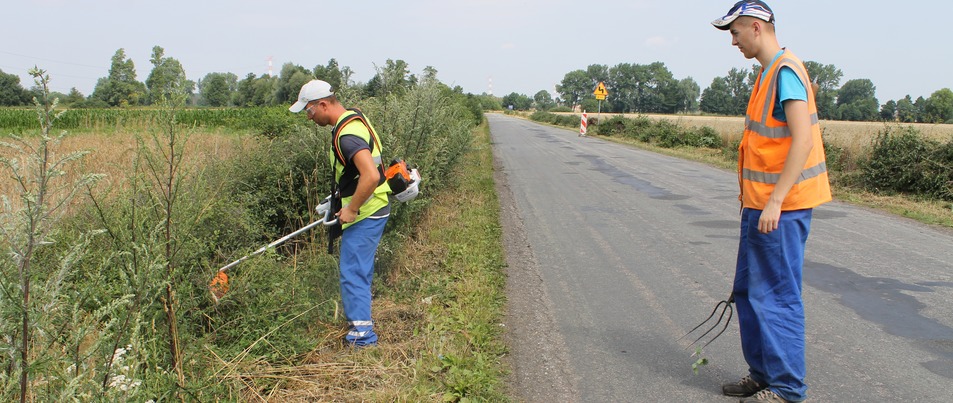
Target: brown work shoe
743,388
765,396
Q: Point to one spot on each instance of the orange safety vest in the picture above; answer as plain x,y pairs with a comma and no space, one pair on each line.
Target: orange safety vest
766,142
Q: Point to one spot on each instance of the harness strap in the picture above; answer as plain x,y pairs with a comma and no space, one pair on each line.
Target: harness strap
336,135
347,186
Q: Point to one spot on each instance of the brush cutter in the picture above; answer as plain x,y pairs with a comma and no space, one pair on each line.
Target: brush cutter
725,307
219,285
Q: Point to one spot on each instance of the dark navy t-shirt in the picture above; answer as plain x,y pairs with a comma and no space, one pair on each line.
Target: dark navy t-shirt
350,145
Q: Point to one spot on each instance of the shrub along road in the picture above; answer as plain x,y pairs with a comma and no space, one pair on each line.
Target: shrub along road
616,252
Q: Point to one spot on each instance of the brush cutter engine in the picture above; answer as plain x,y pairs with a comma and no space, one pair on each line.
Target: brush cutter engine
404,182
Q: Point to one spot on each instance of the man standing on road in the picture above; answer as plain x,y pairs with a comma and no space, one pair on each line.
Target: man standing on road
783,176
359,178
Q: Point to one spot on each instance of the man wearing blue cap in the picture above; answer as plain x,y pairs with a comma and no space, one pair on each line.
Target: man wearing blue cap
782,173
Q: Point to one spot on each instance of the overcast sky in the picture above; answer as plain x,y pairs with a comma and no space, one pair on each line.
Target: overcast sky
521,46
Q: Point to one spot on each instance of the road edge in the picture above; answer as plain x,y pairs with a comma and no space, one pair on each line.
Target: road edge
538,359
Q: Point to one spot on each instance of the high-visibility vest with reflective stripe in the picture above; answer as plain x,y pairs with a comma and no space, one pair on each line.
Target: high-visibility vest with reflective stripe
766,142
354,123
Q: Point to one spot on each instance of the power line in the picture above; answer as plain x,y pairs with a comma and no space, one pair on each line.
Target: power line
51,60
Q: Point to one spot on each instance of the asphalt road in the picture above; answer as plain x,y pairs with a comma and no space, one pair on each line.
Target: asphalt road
615,252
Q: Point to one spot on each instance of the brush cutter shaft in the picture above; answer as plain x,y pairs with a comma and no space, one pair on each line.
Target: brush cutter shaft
325,220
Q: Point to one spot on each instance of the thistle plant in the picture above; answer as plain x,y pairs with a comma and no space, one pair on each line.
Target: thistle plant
32,295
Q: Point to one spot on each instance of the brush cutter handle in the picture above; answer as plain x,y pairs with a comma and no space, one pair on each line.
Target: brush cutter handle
324,209
327,221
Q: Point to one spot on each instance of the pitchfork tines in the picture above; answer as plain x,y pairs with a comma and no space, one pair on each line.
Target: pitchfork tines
725,306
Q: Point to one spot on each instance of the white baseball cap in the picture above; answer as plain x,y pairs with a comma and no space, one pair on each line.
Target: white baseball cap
314,89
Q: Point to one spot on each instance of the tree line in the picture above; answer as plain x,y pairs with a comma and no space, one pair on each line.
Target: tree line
122,88
652,88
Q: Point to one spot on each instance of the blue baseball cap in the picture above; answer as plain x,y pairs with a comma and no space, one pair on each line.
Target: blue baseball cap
751,8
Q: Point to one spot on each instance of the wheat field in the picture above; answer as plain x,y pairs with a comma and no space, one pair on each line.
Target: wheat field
852,136
842,133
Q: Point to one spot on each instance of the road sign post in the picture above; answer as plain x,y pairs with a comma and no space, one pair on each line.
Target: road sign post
600,94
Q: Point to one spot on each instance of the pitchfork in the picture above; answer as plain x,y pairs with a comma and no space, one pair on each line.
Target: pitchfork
725,306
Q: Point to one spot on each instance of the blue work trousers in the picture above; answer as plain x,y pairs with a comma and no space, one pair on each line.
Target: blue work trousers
767,293
358,248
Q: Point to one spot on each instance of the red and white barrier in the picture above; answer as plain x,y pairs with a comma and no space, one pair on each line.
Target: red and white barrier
583,123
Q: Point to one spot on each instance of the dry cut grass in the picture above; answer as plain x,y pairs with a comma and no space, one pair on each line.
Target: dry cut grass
332,373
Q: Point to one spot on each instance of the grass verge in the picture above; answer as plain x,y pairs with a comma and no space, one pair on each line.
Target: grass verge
438,308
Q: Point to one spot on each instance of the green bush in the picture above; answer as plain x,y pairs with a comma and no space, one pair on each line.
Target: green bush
906,162
613,126
705,137
282,178
665,134
730,150
554,119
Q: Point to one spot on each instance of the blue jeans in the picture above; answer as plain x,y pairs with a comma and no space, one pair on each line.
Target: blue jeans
767,291
358,248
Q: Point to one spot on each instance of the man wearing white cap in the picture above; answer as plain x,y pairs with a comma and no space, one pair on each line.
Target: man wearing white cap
359,181
782,174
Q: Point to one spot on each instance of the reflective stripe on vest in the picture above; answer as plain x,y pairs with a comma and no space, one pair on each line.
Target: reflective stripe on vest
767,141
774,132
764,177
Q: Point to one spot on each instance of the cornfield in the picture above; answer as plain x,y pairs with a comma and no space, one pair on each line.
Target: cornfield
20,120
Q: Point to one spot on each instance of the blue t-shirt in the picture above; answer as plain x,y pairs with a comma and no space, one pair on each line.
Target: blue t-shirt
789,87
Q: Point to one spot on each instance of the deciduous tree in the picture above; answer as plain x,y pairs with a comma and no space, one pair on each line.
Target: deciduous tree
11,92
543,100
888,111
920,105
574,86
167,77
827,77
290,81
120,88
729,95
217,89
517,101
717,98
939,107
687,95
856,101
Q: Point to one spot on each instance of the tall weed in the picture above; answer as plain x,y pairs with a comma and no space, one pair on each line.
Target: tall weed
51,347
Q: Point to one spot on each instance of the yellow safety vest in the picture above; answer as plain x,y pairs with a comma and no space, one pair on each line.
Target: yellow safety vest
346,177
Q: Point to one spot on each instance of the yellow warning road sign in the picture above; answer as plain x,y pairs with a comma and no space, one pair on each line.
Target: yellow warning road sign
600,91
